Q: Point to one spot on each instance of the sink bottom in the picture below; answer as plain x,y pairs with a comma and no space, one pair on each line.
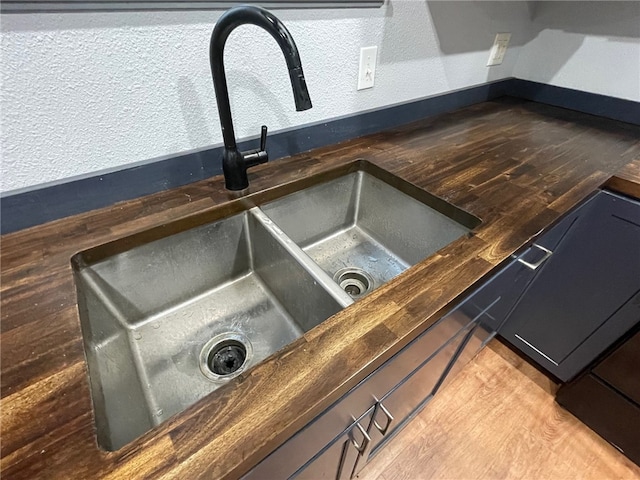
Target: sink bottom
168,359
355,248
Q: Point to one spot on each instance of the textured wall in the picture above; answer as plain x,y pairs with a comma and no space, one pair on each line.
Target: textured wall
588,46
85,92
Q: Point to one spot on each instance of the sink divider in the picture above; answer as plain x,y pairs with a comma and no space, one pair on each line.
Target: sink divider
312,268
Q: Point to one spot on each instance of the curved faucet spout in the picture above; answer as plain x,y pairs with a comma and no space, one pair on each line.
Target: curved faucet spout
236,163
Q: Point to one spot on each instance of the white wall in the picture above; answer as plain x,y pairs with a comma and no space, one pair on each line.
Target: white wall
84,92
588,46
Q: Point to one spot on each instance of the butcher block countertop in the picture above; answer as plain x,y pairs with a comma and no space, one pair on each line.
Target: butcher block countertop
518,166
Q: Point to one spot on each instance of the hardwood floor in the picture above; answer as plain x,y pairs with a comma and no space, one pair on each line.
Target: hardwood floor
498,420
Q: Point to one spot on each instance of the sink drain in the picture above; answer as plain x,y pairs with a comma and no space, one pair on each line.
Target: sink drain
355,281
225,356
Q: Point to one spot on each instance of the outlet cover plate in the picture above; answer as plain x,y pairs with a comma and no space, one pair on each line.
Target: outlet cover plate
499,49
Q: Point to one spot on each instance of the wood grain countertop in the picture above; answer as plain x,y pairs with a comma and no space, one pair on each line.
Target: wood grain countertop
626,180
516,165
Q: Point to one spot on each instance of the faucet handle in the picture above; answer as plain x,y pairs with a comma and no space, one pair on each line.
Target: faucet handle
263,138
259,155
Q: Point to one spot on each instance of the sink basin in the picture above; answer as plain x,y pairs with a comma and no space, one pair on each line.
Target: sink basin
363,231
168,322
167,318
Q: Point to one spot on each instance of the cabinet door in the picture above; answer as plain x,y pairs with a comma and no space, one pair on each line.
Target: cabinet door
294,453
508,285
338,458
396,408
471,345
581,301
403,402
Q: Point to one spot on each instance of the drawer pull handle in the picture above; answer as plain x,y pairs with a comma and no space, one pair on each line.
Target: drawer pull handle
535,265
365,440
383,430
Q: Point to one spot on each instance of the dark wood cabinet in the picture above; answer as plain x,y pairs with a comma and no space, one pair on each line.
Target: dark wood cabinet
587,294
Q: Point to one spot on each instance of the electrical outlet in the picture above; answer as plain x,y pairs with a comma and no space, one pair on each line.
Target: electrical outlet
499,49
367,70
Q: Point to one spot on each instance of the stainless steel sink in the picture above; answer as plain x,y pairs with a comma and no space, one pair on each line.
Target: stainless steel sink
168,322
168,318
363,232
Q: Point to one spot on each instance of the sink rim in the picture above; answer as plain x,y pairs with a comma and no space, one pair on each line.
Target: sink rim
245,203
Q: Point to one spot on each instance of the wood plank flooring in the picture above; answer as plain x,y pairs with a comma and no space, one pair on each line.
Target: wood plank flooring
498,420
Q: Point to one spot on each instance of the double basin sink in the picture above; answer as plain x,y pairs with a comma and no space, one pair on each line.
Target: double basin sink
168,321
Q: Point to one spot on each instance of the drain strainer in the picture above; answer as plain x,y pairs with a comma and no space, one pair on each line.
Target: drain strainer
225,356
355,281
